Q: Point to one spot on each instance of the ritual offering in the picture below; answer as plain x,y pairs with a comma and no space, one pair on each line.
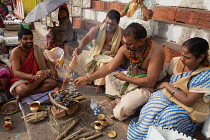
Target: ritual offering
35,117
102,58
66,99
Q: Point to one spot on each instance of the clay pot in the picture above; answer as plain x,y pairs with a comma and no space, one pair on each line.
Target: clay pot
8,126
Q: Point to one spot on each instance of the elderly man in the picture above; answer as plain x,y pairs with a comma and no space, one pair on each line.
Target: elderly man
27,65
131,90
107,41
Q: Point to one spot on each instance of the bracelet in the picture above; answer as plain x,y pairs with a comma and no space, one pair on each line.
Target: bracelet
88,79
174,91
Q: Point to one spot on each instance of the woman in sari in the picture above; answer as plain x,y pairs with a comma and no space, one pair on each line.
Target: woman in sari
59,36
160,111
4,83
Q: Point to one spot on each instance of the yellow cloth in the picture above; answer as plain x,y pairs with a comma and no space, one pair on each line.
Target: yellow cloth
92,65
132,8
40,58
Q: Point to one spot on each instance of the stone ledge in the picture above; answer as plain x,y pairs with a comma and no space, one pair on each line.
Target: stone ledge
197,17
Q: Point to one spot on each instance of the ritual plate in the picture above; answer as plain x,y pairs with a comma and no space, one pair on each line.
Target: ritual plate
9,107
102,58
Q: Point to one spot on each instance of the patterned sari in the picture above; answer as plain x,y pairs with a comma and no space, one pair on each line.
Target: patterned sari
161,112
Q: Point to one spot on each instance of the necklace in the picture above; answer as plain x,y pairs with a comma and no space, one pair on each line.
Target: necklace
136,63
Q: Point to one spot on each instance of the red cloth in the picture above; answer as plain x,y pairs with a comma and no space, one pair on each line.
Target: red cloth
30,66
63,6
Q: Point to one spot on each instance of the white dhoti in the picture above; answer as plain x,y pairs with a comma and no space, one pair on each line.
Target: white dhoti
130,101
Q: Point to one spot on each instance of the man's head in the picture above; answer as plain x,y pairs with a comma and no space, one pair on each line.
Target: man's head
112,20
25,37
134,36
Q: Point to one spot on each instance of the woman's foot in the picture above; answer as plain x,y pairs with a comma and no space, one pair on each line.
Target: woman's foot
100,89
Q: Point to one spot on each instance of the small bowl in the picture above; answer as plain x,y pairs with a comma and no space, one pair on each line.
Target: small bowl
98,126
104,122
101,116
111,134
7,119
35,106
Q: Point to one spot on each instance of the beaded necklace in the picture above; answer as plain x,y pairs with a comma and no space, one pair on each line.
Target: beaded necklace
136,63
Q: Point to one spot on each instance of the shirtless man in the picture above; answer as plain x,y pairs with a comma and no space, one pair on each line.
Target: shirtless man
107,41
146,62
27,65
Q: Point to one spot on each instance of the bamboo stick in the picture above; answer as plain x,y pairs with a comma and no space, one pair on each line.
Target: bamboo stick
68,129
94,136
57,104
74,134
84,135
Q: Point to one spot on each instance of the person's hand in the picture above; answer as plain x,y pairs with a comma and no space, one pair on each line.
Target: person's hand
80,81
53,73
161,85
40,75
121,76
77,51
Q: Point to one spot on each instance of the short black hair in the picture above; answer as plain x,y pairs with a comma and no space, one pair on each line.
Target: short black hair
197,46
113,14
24,31
135,29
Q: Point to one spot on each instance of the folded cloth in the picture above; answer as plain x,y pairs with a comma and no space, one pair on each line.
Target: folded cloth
41,97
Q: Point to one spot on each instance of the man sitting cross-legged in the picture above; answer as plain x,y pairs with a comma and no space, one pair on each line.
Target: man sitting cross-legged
27,65
131,90
107,41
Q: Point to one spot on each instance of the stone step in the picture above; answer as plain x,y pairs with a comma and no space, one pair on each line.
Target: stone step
178,33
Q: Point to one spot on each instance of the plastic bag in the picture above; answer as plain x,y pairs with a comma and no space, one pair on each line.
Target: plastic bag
55,55
94,105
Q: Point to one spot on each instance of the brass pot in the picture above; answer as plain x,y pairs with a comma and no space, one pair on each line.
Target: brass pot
98,126
35,106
